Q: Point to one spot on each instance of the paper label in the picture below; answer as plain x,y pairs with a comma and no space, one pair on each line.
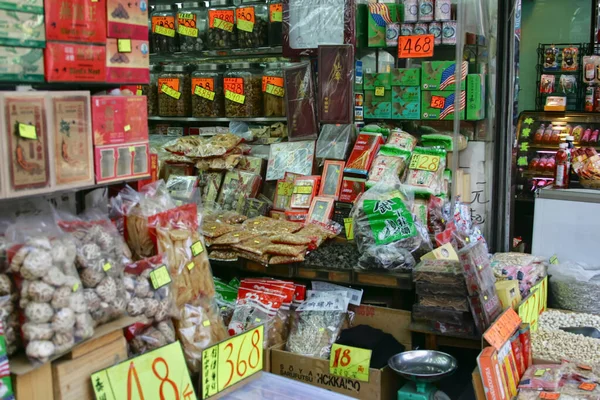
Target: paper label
124,45
437,102
186,31
424,162
27,131
275,90
162,30
221,19
415,46
276,12
190,266
235,85
502,329
197,248
350,362
235,97
379,91
549,395
303,189
160,277
206,83
285,188
204,93
588,386
206,323
170,86
245,18
127,128
534,304
554,260
170,92
106,267
273,80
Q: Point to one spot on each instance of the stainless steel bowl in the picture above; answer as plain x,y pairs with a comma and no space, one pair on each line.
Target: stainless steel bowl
423,365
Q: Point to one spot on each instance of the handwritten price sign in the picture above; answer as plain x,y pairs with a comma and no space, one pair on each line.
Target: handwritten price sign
502,329
350,362
415,46
424,162
227,363
159,374
534,304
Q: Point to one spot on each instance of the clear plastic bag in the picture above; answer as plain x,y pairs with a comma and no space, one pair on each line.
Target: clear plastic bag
144,338
575,287
426,170
335,142
300,102
542,377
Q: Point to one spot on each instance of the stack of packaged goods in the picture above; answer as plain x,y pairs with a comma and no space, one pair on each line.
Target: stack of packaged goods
516,274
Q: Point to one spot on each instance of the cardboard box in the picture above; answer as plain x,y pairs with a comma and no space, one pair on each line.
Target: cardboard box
509,294
406,110
119,119
121,162
375,80
21,29
378,106
383,383
128,64
138,185
67,62
30,6
409,94
352,188
76,20
406,77
491,375
127,21
475,97
445,102
365,148
21,64
439,75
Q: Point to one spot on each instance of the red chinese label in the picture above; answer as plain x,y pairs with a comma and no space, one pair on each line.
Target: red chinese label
165,22
206,83
273,80
276,12
235,85
186,19
223,15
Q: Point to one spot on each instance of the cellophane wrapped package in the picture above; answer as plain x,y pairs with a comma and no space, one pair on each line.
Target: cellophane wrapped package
335,142
390,162
143,338
300,100
290,157
401,140
336,76
426,170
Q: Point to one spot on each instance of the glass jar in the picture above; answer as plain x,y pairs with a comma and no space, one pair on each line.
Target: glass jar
163,29
275,23
150,42
151,91
174,96
207,91
273,91
243,90
222,33
192,22
252,26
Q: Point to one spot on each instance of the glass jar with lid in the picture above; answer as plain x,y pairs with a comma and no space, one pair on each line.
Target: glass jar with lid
252,23
151,90
174,96
163,29
243,90
275,23
192,22
207,91
273,91
222,33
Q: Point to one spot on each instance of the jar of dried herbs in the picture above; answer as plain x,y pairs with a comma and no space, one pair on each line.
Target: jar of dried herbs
252,23
243,90
275,23
151,90
192,22
174,96
222,32
164,39
207,91
273,91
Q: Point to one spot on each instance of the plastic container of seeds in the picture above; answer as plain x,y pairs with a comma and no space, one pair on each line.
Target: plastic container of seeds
164,38
151,90
192,23
222,31
174,96
207,91
243,90
273,91
275,23
252,23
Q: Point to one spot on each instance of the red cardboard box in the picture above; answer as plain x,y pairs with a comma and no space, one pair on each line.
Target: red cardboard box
67,62
351,189
119,119
153,174
121,162
76,20
127,61
127,20
364,151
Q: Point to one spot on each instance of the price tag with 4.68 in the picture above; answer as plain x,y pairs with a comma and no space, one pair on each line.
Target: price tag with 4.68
415,46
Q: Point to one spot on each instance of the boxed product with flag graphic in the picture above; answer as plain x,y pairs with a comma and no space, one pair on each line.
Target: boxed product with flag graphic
475,97
439,105
406,102
441,75
378,103
380,18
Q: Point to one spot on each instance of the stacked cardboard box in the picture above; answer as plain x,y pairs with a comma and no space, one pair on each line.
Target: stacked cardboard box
438,83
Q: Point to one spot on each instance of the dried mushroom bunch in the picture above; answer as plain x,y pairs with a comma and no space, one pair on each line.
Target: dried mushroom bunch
200,327
52,299
8,314
152,337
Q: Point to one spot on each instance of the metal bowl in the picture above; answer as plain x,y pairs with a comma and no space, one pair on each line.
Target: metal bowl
423,365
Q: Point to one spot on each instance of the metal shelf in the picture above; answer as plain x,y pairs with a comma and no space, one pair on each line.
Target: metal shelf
200,55
192,119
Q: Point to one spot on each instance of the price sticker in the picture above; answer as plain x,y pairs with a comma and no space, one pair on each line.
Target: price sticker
379,91
540,372
276,12
206,323
244,25
127,128
235,85
27,131
204,93
554,260
106,267
158,374
588,386
124,45
139,91
75,287
350,362
235,97
197,248
187,31
525,133
437,102
415,46
349,226
160,277
275,90
303,189
169,91
232,360
549,395
502,329
190,266
285,189
161,30
274,80
425,162
224,25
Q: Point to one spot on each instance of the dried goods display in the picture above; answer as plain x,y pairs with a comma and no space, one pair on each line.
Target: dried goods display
243,91
273,90
192,23
222,29
208,95
143,338
252,25
174,96
297,157
164,39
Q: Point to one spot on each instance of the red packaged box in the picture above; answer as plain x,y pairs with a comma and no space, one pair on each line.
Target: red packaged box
119,119
517,350
525,339
120,162
127,61
67,62
351,189
305,189
364,151
331,179
127,20
76,20
153,174
296,216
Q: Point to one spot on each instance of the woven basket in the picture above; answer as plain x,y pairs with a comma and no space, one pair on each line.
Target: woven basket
590,183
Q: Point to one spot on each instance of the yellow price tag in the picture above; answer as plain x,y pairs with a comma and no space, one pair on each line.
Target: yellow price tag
124,45
303,189
75,287
379,91
27,131
206,323
205,93
425,162
235,97
349,226
190,266
220,24
159,374
139,92
106,267
160,277
246,26
132,149
197,248
187,31
275,90
554,260
227,363
161,30
350,362
169,91
127,128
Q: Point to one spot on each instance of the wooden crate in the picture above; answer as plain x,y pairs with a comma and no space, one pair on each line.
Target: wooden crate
35,385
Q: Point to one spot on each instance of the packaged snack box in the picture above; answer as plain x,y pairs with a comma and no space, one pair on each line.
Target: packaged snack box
69,62
76,20
127,61
127,20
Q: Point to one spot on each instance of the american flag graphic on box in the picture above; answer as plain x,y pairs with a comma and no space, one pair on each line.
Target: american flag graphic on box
449,104
448,75
380,14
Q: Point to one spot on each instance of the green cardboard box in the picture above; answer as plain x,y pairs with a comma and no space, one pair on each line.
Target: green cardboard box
376,25
31,6
475,97
362,16
406,94
374,80
439,105
378,106
21,64
439,75
403,109
406,77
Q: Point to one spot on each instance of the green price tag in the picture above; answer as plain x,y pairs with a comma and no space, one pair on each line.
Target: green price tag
169,91
275,90
246,26
187,31
528,121
124,45
161,30
27,131
522,161
525,133
106,267
524,147
224,25
197,248
160,277
190,266
277,16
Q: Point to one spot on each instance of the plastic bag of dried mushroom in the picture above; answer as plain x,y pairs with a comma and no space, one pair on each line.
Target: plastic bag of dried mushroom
52,300
143,338
101,254
8,314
